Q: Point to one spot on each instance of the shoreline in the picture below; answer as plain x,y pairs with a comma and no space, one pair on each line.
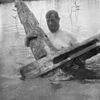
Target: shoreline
10,1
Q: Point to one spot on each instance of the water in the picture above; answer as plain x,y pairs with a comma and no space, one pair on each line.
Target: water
83,23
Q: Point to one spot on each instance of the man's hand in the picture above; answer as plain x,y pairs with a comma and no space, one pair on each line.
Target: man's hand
98,43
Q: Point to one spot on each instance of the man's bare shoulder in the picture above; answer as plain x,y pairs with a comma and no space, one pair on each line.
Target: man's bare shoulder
70,35
67,33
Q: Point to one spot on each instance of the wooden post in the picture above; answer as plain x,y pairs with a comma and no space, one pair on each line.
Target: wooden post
36,39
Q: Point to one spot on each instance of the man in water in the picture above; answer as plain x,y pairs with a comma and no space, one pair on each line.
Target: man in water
60,39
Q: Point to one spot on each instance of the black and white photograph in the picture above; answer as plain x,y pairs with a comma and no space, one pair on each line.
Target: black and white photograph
49,49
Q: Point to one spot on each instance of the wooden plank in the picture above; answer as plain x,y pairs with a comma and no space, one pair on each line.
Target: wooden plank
84,50
89,50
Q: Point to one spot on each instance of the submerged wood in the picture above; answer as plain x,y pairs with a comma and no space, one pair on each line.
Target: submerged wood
64,58
82,51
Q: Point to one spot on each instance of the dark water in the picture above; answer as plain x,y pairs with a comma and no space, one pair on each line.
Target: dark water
13,54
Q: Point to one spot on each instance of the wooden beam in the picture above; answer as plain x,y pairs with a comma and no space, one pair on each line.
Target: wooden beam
35,36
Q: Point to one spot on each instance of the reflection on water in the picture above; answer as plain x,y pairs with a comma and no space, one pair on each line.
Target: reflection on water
80,17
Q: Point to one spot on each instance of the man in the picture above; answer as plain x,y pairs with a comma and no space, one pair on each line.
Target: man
60,39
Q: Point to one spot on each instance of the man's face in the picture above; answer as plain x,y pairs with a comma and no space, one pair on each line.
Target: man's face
53,24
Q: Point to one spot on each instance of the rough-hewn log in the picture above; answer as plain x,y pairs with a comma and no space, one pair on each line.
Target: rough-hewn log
36,39
69,57
65,58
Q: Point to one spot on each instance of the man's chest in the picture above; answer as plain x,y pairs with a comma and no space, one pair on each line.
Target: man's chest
60,42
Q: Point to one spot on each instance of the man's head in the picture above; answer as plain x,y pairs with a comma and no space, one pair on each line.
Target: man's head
53,19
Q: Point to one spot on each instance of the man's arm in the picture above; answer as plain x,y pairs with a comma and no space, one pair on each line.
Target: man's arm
73,41
47,40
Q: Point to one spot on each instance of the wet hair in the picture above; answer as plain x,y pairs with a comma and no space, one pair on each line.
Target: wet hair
52,14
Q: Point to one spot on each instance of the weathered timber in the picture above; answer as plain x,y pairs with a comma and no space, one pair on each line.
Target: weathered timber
64,58
83,51
36,39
